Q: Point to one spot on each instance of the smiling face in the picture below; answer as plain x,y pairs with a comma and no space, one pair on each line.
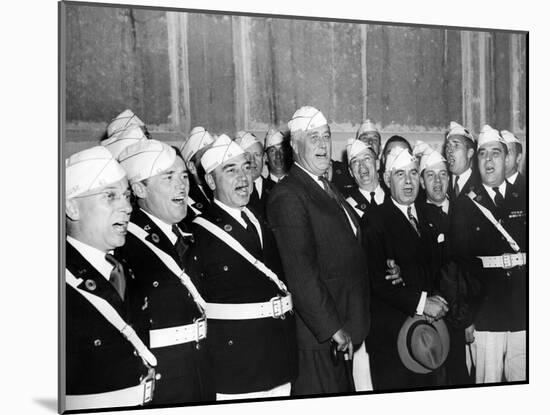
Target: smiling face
312,149
165,195
371,138
403,183
231,182
458,153
435,180
100,218
256,157
364,169
491,159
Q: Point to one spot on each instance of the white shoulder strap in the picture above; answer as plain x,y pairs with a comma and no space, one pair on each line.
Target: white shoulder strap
108,311
235,245
353,203
500,228
171,264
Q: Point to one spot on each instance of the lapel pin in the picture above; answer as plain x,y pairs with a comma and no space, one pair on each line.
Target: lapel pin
155,238
228,228
198,205
147,228
90,285
363,206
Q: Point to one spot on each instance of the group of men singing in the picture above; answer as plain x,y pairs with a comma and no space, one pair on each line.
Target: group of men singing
246,268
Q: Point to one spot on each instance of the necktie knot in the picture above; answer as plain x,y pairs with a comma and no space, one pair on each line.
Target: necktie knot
250,228
372,201
499,199
182,243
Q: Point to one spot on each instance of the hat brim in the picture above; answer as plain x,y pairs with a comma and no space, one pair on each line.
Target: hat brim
404,352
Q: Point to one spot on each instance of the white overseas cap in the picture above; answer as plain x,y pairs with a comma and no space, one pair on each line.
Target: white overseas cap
355,147
430,158
119,141
198,139
90,169
398,158
273,137
420,148
457,129
122,121
509,137
221,150
246,139
488,135
145,159
307,118
367,126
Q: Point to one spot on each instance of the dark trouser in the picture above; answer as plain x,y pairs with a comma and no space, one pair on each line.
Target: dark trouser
317,374
457,372
185,374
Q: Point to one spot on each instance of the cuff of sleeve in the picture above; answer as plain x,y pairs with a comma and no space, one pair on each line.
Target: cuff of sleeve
421,303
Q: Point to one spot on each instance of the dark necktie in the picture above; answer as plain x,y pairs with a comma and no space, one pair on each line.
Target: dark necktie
413,220
116,278
372,201
499,199
456,188
182,243
251,229
337,197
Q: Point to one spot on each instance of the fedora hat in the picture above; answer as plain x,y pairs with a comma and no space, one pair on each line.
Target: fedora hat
423,346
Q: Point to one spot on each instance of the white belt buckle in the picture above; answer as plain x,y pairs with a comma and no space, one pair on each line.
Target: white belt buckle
201,328
277,307
507,261
148,390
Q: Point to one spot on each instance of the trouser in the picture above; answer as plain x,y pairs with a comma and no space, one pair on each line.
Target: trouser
277,391
500,356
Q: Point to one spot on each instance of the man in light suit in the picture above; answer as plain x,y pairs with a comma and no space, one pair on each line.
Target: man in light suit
326,269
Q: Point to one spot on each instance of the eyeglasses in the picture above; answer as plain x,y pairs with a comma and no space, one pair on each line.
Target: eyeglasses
109,195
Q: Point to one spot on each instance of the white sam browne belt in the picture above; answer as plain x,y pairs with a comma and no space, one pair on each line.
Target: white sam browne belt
277,307
505,261
132,396
170,336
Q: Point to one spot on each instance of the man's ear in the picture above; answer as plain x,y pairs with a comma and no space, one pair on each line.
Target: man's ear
387,176
71,209
470,153
377,164
422,182
519,158
139,189
210,181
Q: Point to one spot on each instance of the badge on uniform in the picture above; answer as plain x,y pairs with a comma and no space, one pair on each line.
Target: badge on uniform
147,228
363,206
90,285
227,228
516,214
155,238
198,205
440,238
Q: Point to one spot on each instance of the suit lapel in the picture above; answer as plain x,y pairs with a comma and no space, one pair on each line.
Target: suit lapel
92,281
154,234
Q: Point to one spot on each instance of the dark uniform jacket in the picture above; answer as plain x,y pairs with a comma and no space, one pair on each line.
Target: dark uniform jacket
258,203
359,202
247,355
98,357
323,261
341,177
184,369
502,305
472,182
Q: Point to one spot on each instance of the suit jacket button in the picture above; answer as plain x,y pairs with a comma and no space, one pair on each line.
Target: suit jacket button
158,376
135,353
230,342
155,284
97,342
508,273
198,346
477,228
225,267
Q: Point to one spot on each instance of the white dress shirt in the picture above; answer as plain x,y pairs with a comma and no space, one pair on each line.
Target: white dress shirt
236,214
94,256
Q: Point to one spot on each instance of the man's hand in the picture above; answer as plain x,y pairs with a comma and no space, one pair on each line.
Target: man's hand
393,272
435,307
343,339
469,334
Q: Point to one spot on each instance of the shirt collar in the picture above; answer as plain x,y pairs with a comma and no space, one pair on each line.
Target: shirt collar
235,213
444,205
258,184
512,179
492,193
404,208
463,178
164,227
378,194
93,255
314,177
275,178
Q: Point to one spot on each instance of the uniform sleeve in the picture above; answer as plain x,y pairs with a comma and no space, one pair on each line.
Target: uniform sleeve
288,217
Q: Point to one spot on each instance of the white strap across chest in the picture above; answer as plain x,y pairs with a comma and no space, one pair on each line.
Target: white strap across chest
171,264
112,316
487,213
236,246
